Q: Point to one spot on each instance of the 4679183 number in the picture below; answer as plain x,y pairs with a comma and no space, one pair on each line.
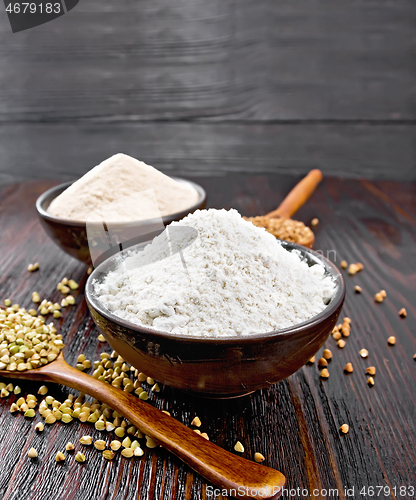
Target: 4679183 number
33,8
397,491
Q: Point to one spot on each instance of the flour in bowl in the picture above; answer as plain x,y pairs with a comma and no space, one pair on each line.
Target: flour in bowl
123,189
232,279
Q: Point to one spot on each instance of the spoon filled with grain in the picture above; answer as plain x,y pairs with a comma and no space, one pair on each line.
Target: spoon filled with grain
32,350
279,223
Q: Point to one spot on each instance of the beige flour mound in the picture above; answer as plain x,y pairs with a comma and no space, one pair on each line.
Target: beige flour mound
123,189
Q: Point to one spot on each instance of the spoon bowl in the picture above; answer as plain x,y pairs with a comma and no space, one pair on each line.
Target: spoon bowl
279,223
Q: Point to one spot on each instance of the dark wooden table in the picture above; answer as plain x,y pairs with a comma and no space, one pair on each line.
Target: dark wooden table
294,423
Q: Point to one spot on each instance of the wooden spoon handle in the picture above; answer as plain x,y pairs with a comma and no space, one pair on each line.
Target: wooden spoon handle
298,196
240,477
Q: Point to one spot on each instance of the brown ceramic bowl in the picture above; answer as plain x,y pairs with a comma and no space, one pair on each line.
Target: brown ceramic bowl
71,236
218,368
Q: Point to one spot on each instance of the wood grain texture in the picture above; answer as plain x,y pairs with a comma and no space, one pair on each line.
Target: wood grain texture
228,472
269,59
295,423
219,86
67,150
298,196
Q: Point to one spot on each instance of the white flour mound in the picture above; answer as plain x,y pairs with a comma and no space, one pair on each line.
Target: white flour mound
123,189
238,280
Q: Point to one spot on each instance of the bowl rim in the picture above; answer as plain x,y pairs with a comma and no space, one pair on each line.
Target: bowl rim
335,303
57,190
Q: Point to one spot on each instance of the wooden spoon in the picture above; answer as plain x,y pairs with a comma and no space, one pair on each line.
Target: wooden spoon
240,477
278,221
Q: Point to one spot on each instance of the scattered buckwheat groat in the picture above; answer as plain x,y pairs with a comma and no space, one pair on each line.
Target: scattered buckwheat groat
14,408
336,335
371,370
348,368
80,457
403,312
196,422
126,443
138,452
355,268
363,353
115,445
43,390
108,454
327,354
86,440
344,428
258,457
391,340
322,362
370,381
239,447
352,269
99,444
346,327
151,443
127,452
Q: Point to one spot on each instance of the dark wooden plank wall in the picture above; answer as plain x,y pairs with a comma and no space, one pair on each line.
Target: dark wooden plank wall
67,150
199,87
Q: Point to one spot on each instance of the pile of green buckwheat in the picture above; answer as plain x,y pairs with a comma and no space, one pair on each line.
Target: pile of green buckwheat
27,342
122,436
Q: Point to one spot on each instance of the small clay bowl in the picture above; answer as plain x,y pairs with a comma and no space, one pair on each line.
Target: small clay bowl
71,236
212,367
